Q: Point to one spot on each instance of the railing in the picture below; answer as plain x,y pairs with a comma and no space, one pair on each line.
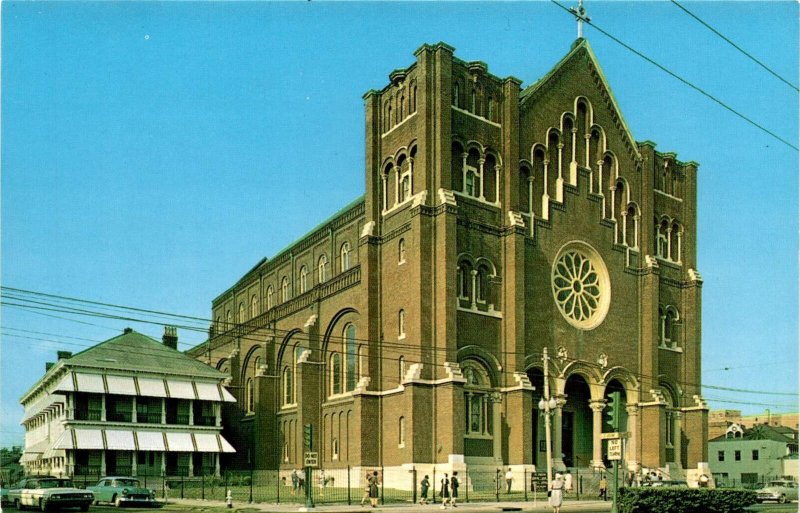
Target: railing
88,414
205,420
182,419
149,418
115,416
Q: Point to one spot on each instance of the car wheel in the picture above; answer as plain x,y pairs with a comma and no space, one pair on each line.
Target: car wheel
782,499
118,502
17,505
42,505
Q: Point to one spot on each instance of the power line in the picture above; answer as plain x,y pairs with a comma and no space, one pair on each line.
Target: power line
683,80
715,31
304,337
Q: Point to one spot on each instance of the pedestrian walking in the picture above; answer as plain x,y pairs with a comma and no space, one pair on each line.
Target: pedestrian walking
295,481
557,493
509,479
323,480
454,484
365,498
567,482
373,489
603,488
629,478
425,484
301,480
445,491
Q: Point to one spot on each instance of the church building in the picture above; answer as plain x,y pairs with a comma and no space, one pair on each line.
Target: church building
410,328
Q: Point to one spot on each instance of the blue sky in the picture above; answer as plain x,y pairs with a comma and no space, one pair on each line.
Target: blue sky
153,152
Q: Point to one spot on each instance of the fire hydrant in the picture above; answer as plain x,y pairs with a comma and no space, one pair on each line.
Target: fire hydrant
229,499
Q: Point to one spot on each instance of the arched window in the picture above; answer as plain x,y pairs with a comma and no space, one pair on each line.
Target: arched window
490,110
220,327
288,385
476,399
228,320
335,449
345,256
336,373
249,396
675,234
321,269
256,365
401,364
362,360
402,107
285,290
241,313
253,307
662,244
401,251
270,297
464,280
469,183
481,283
473,106
303,279
351,358
401,324
401,432
456,95
414,98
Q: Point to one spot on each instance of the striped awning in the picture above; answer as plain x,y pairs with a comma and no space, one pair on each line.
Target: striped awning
143,386
124,440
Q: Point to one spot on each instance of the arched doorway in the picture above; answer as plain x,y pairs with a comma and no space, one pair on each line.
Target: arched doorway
576,424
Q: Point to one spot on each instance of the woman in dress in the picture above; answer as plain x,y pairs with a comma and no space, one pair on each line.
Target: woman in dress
445,491
557,493
373,489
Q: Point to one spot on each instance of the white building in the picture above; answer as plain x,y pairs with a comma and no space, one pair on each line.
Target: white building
127,406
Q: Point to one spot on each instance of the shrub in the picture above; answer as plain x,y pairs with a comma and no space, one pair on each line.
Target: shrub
684,500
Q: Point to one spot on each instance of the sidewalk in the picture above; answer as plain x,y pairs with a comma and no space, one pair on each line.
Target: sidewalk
488,507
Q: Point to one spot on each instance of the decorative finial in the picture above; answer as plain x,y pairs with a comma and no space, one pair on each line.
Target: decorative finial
580,16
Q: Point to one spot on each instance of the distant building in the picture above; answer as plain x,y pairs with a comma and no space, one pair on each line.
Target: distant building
720,420
744,456
129,406
409,328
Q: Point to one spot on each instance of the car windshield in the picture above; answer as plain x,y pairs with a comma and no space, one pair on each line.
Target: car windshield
126,482
47,483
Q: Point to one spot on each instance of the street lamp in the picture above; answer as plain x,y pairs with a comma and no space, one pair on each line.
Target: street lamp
548,406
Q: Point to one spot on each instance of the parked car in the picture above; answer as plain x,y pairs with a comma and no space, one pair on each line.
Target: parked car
122,491
781,491
669,482
45,493
4,501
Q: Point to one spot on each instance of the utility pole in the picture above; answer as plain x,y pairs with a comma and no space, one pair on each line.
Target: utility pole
546,404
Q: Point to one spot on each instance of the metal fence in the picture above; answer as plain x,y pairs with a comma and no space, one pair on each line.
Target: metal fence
349,485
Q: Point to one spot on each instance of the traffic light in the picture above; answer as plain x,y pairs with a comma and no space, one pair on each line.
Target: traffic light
614,405
308,435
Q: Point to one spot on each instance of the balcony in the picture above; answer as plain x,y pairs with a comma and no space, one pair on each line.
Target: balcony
88,414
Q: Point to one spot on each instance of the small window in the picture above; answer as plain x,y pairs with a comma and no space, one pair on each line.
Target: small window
402,368
401,324
755,454
303,279
253,307
721,456
737,455
336,373
469,186
335,449
270,297
285,290
321,269
401,432
345,256
249,396
401,251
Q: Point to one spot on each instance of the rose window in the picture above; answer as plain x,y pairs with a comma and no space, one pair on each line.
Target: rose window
581,286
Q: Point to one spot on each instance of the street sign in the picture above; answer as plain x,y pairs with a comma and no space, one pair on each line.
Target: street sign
538,481
615,449
311,459
611,436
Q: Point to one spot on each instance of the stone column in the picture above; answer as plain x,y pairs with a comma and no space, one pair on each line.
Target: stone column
483,178
676,435
632,445
597,407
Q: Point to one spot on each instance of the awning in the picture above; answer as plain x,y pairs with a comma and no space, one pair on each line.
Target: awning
121,385
151,387
90,383
122,440
180,442
117,440
42,405
89,439
226,396
150,440
207,391
66,384
181,389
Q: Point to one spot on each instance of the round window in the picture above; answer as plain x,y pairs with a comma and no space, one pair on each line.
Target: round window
581,287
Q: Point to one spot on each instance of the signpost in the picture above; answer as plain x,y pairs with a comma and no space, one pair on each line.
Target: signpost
615,450
615,444
310,460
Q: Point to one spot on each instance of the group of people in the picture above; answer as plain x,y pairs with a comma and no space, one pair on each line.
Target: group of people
448,490
298,481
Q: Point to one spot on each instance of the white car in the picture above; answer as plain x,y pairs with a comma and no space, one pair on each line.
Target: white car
49,493
780,491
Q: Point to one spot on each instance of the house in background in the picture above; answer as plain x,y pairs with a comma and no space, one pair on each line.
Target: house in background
752,456
127,406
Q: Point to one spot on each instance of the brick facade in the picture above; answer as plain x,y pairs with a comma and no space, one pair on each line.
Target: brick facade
499,221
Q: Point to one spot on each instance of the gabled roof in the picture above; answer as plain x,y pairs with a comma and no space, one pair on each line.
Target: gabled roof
134,352
580,48
761,432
